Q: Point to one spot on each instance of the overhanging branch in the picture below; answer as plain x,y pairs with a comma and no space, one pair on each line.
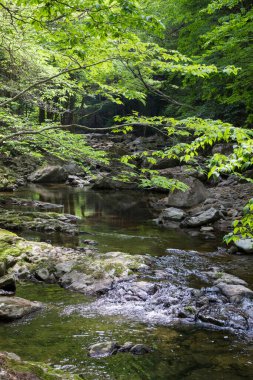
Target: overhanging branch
45,80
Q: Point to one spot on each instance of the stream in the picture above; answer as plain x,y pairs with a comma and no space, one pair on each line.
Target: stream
123,221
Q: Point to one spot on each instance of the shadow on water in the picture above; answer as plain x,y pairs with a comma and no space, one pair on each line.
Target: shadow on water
122,221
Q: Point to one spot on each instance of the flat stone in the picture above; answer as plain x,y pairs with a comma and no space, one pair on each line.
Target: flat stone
203,218
12,308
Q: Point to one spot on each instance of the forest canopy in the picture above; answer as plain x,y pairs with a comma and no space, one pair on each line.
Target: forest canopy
62,62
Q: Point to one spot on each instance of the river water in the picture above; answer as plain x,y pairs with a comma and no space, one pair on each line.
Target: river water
122,221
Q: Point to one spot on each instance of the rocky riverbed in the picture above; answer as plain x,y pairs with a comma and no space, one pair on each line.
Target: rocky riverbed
165,291
141,287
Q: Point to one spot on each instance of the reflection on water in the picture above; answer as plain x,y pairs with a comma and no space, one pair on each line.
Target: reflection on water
117,220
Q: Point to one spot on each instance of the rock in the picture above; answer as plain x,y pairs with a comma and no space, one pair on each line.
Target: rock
224,316
64,267
12,308
206,229
30,203
85,283
171,213
140,349
21,271
10,261
226,149
126,347
2,268
8,283
245,245
42,274
90,242
74,180
103,349
8,180
12,367
49,174
235,293
202,218
229,279
105,181
196,194
39,221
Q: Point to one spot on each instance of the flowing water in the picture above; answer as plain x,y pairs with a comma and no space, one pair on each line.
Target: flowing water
122,221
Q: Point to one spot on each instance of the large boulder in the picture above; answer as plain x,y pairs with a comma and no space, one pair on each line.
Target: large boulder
12,308
49,174
202,218
195,194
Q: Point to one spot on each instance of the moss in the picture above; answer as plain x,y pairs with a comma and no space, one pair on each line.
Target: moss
41,370
190,309
7,178
35,220
117,269
11,244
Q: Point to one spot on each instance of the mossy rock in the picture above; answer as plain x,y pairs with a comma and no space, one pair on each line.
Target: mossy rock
11,245
38,221
7,179
14,368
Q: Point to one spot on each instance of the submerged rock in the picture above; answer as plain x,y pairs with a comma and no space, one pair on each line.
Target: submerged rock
12,308
140,349
12,367
111,348
103,349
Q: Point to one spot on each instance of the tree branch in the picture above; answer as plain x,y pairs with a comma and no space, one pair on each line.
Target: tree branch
45,80
83,127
